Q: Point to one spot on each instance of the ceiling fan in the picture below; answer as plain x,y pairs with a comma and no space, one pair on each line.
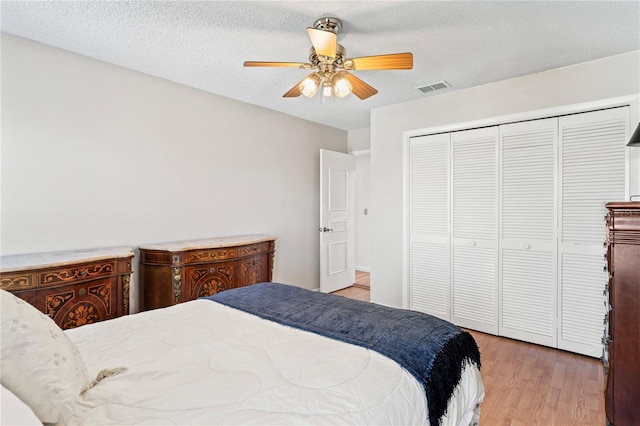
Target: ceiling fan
332,66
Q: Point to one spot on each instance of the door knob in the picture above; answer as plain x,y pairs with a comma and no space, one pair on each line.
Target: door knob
325,229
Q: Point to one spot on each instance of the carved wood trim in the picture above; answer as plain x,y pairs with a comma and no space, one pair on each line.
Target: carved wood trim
125,293
177,284
76,273
16,282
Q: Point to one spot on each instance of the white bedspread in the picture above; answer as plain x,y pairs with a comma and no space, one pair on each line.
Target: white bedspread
204,363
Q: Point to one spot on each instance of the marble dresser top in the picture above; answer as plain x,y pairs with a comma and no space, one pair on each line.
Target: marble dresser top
209,243
20,262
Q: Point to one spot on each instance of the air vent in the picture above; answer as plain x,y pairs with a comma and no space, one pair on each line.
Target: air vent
433,86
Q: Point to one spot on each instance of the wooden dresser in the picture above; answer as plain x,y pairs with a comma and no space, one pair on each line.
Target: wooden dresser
72,287
622,334
176,272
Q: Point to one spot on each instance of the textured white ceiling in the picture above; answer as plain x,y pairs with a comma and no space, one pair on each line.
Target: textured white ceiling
204,43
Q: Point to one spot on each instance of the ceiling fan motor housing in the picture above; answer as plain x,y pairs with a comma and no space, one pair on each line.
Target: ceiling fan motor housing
341,53
330,24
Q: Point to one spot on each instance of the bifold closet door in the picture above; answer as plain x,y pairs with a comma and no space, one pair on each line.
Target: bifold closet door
592,172
474,205
429,246
528,242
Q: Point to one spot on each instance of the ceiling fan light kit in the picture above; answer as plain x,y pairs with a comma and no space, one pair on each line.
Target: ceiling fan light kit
329,59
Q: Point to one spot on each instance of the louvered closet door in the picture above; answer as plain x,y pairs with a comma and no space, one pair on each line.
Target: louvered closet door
528,232
429,256
474,183
592,158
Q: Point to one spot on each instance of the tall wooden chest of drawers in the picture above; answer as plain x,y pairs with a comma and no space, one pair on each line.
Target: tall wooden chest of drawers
72,287
622,345
176,272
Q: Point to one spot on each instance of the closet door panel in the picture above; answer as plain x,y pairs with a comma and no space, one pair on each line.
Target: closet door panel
528,281
592,158
430,279
528,180
429,246
474,288
528,304
474,184
474,208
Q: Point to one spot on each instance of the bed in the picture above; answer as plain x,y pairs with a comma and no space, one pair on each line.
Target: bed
264,354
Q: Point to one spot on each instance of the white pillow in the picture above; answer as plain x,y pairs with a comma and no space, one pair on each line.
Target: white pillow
40,365
15,412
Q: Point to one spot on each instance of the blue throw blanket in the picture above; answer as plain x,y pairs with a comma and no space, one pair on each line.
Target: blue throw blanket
432,350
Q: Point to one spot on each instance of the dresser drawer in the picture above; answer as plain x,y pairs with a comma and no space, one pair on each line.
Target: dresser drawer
208,255
76,273
16,281
253,249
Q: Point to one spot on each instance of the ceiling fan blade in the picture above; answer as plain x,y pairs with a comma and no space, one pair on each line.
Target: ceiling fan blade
393,61
359,87
294,92
324,42
273,64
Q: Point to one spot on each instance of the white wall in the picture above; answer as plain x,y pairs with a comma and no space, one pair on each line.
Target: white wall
95,155
359,139
605,78
359,142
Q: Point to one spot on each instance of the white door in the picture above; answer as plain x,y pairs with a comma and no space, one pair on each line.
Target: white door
429,246
337,237
474,213
528,231
592,155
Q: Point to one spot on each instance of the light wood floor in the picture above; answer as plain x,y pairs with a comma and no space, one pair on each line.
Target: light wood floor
527,384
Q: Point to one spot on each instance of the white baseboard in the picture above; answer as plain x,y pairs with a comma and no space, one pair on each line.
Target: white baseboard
362,268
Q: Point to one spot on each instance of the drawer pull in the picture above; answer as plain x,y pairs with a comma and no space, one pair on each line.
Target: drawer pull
81,292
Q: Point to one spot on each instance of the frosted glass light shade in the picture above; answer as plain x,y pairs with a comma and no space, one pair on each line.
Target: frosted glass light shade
309,86
327,93
341,86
